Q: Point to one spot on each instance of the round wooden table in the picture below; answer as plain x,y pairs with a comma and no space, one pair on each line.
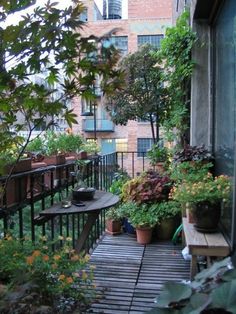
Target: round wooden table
101,200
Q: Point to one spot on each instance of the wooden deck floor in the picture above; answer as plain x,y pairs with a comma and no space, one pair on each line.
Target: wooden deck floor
129,276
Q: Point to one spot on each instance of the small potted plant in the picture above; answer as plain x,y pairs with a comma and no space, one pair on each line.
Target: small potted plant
81,191
159,157
168,218
144,219
113,221
205,198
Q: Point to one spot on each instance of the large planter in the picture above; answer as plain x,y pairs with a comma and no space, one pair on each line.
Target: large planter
166,229
144,235
55,160
207,216
113,227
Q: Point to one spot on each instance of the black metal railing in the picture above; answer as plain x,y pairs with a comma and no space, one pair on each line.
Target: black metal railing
31,192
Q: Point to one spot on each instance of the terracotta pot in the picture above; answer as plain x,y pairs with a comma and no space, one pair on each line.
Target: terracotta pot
207,216
144,235
22,166
55,160
113,227
82,155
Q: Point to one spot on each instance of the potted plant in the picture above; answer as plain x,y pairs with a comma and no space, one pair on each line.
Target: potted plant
149,187
159,157
113,221
193,153
81,192
144,218
205,198
70,144
168,213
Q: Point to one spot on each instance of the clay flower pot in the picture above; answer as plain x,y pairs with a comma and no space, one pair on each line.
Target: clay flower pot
144,235
113,227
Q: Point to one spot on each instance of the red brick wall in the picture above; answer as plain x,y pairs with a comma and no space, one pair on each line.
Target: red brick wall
145,18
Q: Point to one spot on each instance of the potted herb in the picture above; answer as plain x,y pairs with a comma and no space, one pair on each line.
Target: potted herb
159,157
205,197
168,213
144,219
113,221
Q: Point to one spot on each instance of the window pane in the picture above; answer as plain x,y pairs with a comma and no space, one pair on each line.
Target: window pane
154,40
121,145
144,144
224,98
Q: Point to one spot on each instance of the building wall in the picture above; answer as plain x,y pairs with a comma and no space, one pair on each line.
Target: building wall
144,18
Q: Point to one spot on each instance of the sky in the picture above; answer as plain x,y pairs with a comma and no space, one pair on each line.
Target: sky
14,18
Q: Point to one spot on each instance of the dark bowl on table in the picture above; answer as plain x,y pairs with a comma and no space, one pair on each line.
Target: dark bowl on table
83,194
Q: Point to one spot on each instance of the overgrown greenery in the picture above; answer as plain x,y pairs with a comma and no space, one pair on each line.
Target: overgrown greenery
33,269
44,62
143,94
175,54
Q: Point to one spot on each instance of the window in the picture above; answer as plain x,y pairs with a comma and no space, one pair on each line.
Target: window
85,106
84,15
154,40
121,145
120,43
143,145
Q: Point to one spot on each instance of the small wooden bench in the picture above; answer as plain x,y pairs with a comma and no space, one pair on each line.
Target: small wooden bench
204,244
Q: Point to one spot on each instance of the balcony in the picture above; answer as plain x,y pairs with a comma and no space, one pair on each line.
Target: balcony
102,125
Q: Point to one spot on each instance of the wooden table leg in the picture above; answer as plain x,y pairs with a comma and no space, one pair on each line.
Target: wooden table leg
92,217
193,269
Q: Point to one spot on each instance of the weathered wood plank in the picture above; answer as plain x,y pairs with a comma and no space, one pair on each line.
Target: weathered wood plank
129,276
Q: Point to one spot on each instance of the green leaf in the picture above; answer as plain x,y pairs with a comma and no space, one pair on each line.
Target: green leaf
198,302
173,293
213,270
225,296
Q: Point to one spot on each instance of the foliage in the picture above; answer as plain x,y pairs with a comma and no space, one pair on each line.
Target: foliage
35,145
62,273
175,53
69,142
127,208
157,154
113,214
166,209
212,291
144,216
142,96
117,183
91,147
51,143
189,171
192,153
44,62
211,189
146,188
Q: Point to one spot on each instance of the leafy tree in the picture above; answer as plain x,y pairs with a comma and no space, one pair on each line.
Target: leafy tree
143,95
46,43
178,66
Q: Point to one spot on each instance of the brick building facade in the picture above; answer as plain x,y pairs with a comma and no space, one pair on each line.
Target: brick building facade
145,22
